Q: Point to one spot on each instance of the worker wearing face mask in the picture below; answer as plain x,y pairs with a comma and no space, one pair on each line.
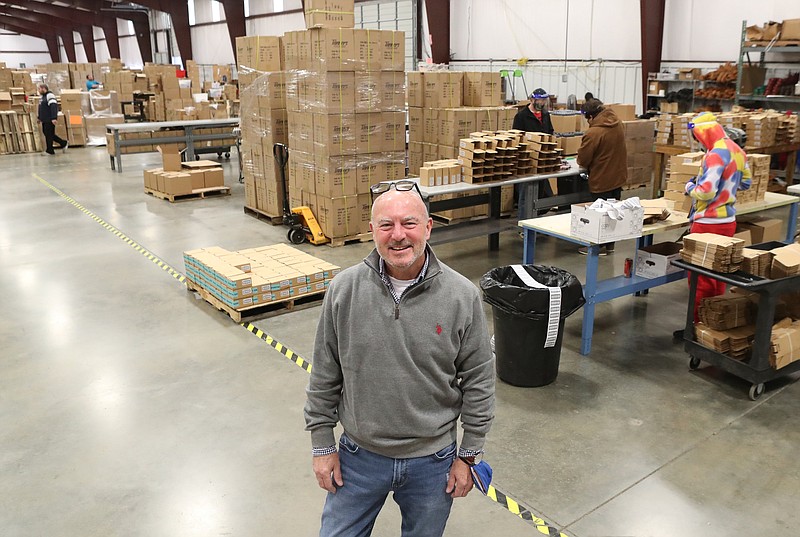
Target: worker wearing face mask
535,117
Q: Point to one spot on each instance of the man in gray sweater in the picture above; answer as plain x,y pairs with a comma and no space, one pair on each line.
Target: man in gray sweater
401,353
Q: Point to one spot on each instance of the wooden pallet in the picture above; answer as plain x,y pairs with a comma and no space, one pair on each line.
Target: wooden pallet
200,193
259,311
341,241
261,215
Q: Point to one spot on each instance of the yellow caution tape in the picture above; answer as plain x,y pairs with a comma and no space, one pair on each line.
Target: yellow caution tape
163,265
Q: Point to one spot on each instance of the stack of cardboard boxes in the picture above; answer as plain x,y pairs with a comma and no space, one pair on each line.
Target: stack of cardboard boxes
440,173
71,123
682,169
345,100
761,129
759,169
121,82
784,342
569,126
714,252
664,129
257,276
543,151
447,106
56,76
264,123
262,90
175,178
639,138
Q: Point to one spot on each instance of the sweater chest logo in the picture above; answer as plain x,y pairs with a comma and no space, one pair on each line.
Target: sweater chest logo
438,329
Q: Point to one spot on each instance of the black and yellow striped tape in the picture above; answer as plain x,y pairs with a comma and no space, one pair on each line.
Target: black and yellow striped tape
493,493
515,508
163,265
284,350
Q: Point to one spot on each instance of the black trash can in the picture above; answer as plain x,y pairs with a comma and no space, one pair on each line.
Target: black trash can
527,339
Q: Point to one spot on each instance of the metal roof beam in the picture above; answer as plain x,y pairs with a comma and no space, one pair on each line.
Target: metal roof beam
234,18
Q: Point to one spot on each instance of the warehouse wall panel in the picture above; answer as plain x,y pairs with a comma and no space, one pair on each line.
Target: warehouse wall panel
697,30
694,30
211,44
612,82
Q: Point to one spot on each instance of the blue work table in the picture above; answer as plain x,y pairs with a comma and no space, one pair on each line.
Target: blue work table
596,291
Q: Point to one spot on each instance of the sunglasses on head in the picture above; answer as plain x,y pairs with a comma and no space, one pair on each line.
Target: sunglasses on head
401,186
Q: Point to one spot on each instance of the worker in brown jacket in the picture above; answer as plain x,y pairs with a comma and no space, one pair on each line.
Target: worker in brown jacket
603,154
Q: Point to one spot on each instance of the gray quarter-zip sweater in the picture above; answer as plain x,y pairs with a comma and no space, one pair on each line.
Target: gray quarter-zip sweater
398,376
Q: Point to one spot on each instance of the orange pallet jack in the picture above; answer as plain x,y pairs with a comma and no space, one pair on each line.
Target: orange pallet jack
302,223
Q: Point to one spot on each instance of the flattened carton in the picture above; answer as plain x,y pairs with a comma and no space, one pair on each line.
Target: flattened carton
598,227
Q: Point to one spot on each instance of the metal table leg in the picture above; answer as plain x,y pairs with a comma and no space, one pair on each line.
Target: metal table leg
589,292
494,214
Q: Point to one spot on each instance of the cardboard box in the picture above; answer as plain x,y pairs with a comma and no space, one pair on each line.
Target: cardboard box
415,89
331,50
334,134
752,78
482,89
565,123
790,29
570,144
329,13
655,260
393,125
599,228
177,184
763,229
688,73
625,112
393,51
338,217
744,234
336,177
785,261
170,157
443,89
392,90
259,52
668,108
655,87
273,95
368,49
333,92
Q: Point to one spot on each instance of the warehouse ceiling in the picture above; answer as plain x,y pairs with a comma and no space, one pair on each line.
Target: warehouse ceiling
53,20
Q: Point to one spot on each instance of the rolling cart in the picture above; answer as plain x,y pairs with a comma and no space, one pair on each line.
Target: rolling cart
758,369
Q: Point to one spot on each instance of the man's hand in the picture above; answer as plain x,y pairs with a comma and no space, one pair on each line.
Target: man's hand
55,122
328,470
460,482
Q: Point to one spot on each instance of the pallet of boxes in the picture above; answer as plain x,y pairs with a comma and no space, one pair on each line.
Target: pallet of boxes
71,121
639,138
19,130
184,181
446,107
345,93
263,123
258,280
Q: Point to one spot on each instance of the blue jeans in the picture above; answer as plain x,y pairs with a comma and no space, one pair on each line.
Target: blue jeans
418,485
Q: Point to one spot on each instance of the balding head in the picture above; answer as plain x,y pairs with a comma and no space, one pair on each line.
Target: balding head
407,198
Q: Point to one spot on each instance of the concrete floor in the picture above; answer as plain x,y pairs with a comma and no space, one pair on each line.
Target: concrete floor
131,408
